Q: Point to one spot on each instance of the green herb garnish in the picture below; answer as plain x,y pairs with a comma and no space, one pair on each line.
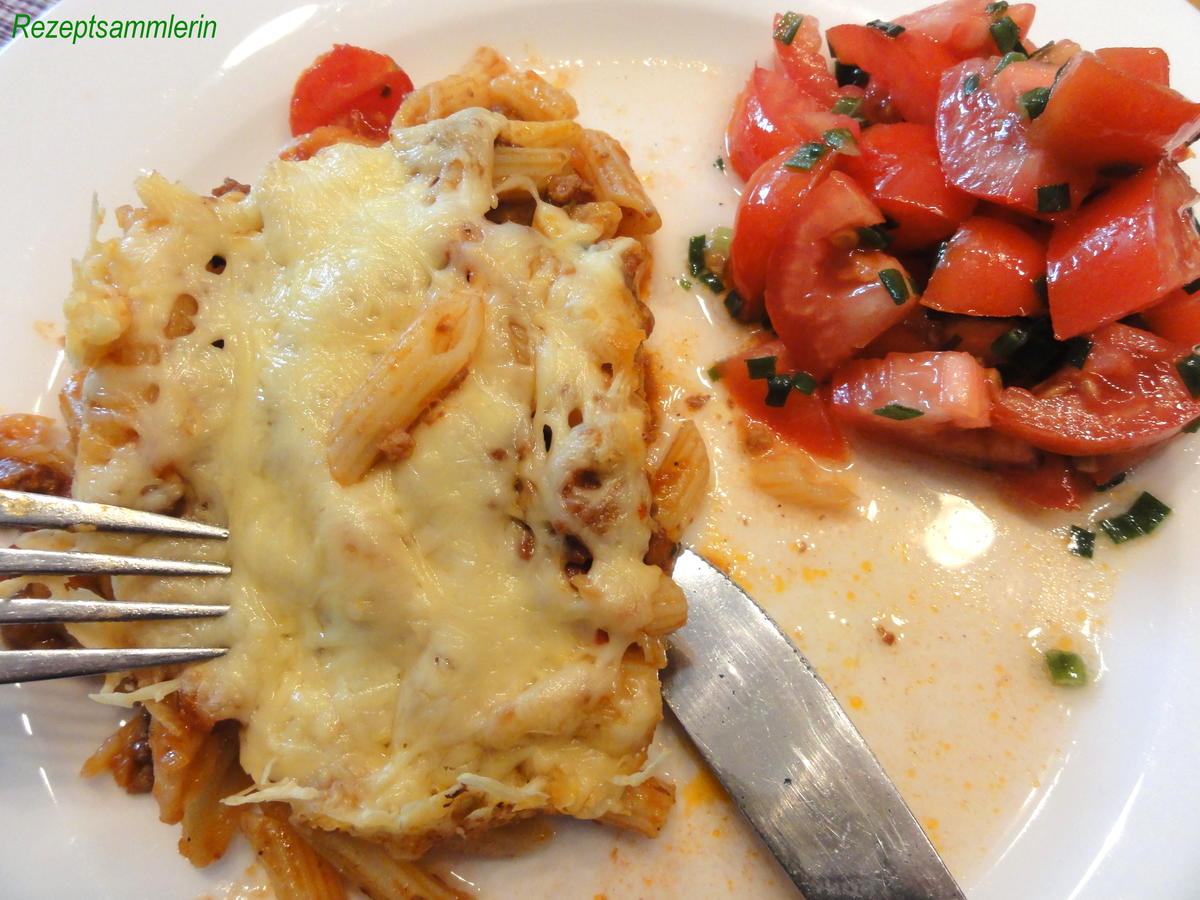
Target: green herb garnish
872,237
714,372
1146,514
711,281
1066,669
896,285
1010,342
1192,427
1008,59
719,163
1006,34
803,382
778,388
891,29
1076,350
1052,198
696,254
897,412
850,75
1034,101
1082,542
789,24
1189,371
1041,288
806,156
734,304
849,106
1119,478
1192,287
996,9
841,140
684,283
761,366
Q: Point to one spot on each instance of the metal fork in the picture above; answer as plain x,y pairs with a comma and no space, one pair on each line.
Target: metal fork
43,511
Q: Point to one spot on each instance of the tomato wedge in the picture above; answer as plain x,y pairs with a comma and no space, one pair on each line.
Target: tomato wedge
349,87
913,393
1098,115
801,59
989,268
905,68
773,113
1052,484
984,145
1128,394
898,167
963,27
803,420
771,196
1176,317
1125,250
1149,63
827,299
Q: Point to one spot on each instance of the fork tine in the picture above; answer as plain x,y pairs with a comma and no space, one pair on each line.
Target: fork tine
38,665
46,511
17,561
23,610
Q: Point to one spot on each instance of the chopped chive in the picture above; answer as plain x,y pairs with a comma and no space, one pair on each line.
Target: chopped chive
848,106
711,281
684,283
851,75
1146,514
1082,542
897,412
714,372
872,237
806,156
734,304
891,29
716,248
778,388
1192,287
1119,478
1005,33
719,163
1042,51
761,366
1052,198
1192,427
1066,669
1076,350
1010,342
1034,101
842,140
996,9
971,85
1009,58
896,285
803,382
789,24
1189,371
696,254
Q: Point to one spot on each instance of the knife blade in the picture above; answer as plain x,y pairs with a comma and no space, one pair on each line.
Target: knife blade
777,739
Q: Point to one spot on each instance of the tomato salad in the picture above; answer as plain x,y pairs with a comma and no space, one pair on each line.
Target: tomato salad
965,243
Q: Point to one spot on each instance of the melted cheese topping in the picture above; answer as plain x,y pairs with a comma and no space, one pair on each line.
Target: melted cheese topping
425,649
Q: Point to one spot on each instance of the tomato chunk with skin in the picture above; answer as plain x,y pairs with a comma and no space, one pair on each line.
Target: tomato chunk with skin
1124,250
802,61
905,68
983,139
946,388
1098,115
1176,317
804,420
1128,394
349,87
1052,484
1150,63
963,26
772,114
767,203
898,166
825,298
988,268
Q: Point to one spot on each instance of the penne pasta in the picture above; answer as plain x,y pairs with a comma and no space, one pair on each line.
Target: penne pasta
370,868
295,870
681,481
643,807
604,163
431,353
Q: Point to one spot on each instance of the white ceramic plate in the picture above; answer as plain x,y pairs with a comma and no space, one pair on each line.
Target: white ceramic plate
1119,820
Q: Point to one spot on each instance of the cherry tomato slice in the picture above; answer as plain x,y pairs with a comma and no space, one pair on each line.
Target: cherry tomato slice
1176,317
1124,250
802,61
1128,394
1149,63
964,26
349,87
1053,484
803,420
988,268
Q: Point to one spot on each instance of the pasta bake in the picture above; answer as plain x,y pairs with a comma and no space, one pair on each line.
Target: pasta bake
409,379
